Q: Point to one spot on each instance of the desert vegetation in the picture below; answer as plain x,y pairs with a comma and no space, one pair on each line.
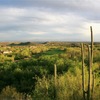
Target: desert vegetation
48,71
29,71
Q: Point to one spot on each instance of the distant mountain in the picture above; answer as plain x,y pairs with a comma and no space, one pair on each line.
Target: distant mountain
20,44
23,44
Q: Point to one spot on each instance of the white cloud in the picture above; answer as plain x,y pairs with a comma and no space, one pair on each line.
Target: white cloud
61,18
37,32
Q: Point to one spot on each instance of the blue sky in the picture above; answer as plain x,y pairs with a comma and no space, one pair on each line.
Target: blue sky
49,20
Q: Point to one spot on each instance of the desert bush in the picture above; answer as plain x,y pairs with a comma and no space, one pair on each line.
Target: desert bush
10,93
68,87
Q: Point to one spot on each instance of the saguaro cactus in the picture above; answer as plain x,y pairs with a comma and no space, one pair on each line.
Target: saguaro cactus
83,75
55,80
89,76
92,61
90,70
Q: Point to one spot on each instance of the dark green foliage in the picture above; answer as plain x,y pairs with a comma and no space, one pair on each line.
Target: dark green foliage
26,66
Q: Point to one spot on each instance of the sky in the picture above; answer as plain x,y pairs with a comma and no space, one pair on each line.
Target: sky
49,20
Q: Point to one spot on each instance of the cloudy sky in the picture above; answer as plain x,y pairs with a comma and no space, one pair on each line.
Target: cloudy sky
49,20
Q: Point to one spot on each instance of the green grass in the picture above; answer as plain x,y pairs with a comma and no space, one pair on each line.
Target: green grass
53,51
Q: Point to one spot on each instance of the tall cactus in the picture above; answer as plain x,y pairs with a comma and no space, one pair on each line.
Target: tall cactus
83,80
55,80
90,70
92,61
89,76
